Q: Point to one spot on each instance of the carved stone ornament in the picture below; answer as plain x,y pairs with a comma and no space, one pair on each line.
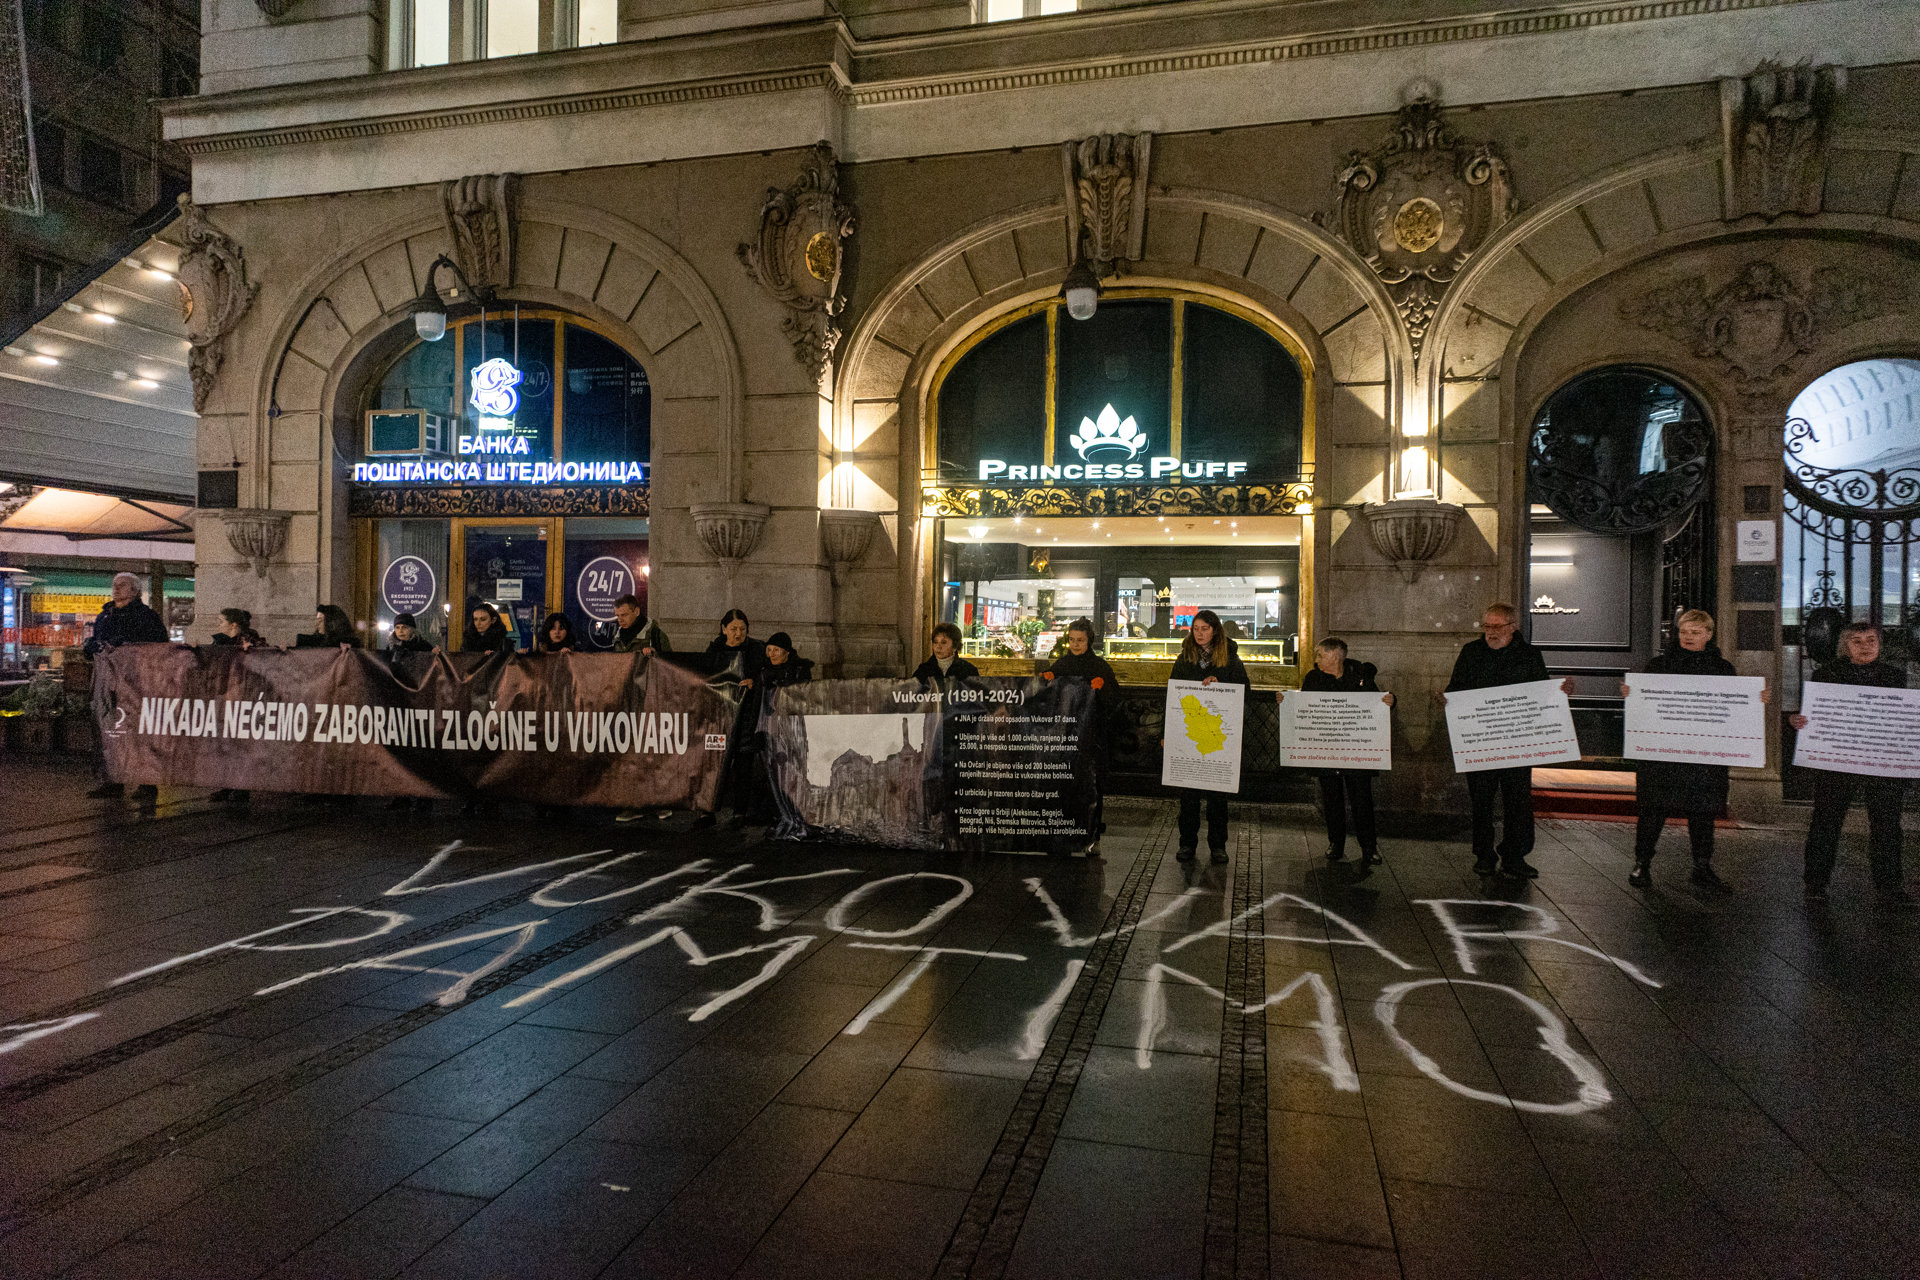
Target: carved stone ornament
799,255
1774,123
1412,531
730,531
1758,325
215,296
1419,204
258,535
845,536
479,213
1106,178
275,8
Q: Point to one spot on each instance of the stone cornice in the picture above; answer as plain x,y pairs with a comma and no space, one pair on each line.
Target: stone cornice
824,57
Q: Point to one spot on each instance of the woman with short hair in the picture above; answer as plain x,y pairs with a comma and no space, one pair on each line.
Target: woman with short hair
1666,788
1342,790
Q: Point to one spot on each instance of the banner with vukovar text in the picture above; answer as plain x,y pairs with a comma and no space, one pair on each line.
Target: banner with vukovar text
564,729
976,764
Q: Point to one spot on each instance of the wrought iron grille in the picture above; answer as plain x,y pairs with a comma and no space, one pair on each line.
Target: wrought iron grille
1851,554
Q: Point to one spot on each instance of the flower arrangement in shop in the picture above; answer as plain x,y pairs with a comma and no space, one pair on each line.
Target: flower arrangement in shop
41,698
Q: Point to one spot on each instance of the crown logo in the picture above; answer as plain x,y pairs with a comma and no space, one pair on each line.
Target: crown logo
1111,437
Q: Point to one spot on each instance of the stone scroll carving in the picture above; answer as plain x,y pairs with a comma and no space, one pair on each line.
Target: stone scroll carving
1774,123
1419,204
799,255
215,295
479,214
1106,177
1763,320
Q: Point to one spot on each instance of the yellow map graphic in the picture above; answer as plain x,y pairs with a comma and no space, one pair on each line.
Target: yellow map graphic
1203,726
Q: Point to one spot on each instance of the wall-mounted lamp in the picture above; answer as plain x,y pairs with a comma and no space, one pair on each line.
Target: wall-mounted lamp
1081,289
429,312
1416,473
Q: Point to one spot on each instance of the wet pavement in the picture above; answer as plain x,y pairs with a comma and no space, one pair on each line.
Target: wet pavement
302,1041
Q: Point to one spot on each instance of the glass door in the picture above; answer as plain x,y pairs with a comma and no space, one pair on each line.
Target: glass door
508,564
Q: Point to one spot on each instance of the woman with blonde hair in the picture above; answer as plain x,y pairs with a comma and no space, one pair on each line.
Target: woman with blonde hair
1209,657
1669,787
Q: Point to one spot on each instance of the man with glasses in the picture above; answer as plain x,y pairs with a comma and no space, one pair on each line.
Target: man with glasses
1500,657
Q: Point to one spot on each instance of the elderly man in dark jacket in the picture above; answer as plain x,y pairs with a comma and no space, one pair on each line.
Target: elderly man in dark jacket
1500,656
124,619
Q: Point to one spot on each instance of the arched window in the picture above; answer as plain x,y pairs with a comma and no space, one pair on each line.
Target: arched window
1619,450
1149,390
1852,553
1133,468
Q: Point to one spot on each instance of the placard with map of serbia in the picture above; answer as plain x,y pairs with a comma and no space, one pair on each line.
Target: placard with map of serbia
1205,727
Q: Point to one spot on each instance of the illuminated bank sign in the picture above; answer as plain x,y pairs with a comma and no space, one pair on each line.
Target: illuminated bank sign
1109,448
447,471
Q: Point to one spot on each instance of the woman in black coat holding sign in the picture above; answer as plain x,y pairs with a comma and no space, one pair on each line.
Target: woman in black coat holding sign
1080,662
1209,657
1344,789
1669,787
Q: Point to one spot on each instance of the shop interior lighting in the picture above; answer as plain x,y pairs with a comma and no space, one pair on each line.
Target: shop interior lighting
977,530
40,359
145,384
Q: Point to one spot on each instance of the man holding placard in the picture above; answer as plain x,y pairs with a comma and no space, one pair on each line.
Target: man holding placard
1688,719
1336,723
1510,719
1863,738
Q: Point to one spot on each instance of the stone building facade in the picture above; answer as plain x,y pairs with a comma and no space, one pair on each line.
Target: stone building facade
1445,221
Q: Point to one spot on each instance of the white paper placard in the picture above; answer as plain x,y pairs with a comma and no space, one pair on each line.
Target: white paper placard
1205,728
1855,728
1511,726
1696,720
1321,729
507,589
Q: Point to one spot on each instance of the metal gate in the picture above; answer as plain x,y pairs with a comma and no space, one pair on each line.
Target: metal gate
1851,554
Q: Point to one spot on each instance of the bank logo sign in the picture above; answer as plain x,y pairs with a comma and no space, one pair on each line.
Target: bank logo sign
1108,447
493,394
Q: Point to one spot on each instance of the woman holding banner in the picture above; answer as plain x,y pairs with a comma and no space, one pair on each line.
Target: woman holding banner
1080,662
1666,788
1209,657
1344,789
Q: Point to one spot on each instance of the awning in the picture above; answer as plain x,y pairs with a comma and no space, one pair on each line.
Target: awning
85,516
95,392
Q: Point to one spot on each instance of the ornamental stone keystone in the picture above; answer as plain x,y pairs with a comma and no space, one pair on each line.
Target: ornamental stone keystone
257,534
1412,531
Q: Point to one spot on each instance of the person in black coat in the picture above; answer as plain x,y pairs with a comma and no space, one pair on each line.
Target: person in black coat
1080,662
1858,662
556,635
486,631
734,650
1668,787
1209,657
1345,789
124,619
1500,657
946,662
784,667
331,627
236,628
407,637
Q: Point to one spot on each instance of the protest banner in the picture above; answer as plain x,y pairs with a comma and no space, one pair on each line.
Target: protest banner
1320,729
1854,728
976,764
1206,725
562,728
1696,720
1510,726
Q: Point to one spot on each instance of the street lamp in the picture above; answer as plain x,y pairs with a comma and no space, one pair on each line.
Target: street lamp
1082,291
429,312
